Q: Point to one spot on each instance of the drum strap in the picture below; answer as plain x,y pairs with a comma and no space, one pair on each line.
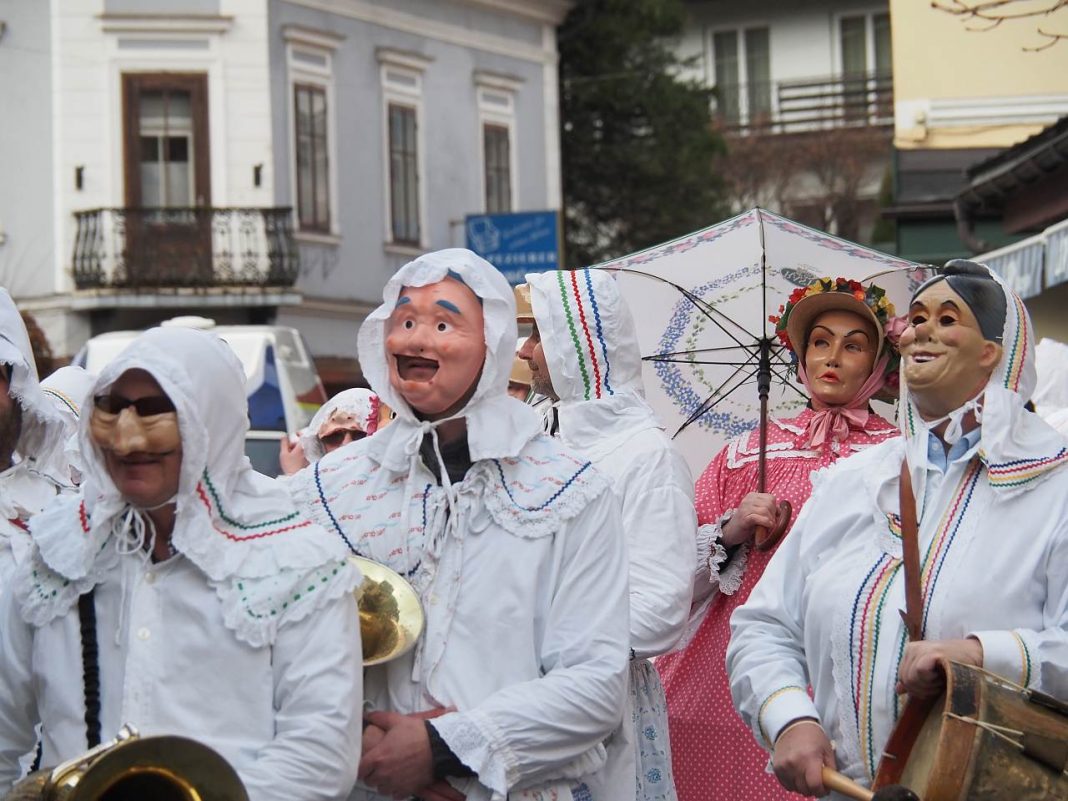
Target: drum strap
90,668
910,548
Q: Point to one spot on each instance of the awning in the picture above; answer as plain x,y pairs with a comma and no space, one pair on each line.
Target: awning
1032,264
1019,264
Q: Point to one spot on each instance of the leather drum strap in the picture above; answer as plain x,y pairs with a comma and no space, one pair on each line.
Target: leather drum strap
910,547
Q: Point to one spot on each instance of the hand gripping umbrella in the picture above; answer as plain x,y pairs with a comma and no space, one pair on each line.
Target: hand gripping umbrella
701,305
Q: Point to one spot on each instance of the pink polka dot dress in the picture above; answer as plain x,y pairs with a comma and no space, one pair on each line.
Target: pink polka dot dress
714,755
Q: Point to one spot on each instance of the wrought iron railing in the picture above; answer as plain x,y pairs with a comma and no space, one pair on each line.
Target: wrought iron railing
198,248
808,104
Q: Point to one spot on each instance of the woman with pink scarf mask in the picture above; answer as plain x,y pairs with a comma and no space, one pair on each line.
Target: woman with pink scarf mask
842,336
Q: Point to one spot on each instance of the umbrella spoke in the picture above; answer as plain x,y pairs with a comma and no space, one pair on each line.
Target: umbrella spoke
786,380
696,361
714,398
710,311
696,350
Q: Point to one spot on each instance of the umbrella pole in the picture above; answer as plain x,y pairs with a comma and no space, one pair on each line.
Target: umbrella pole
763,390
765,539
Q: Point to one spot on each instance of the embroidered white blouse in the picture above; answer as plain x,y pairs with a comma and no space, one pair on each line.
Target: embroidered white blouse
284,715
520,567
825,612
247,639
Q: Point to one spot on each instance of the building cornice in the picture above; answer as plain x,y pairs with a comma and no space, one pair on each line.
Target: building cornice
165,23
550,12
449,33
324,40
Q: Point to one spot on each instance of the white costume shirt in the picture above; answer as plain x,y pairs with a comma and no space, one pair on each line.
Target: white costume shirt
603,415
247,639
519,567
23,490
993,543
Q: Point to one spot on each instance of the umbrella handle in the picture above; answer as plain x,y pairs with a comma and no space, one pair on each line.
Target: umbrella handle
765,539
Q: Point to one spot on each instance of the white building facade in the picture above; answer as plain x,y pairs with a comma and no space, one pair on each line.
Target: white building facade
260,160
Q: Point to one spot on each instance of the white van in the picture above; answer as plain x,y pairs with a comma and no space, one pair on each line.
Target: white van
284,389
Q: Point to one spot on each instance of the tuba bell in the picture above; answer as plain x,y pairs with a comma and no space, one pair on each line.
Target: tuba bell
135,768
391,617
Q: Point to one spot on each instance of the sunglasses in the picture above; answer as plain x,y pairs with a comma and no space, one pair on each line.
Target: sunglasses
335,438
143,407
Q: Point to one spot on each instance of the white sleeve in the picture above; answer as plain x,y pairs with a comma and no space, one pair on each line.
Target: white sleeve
535,731
18,702
1037,658
766,656
318,697
661,528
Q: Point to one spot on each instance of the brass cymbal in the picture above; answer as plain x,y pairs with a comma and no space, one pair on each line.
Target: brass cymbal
391,617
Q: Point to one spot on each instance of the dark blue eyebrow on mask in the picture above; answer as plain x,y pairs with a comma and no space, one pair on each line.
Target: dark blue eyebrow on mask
402,300
447,305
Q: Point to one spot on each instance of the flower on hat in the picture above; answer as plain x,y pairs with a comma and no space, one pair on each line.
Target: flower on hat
874,297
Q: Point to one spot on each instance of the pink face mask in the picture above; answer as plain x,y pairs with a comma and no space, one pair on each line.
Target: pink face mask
436,346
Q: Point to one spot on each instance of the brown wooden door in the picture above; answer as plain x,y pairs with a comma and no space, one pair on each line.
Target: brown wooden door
168,218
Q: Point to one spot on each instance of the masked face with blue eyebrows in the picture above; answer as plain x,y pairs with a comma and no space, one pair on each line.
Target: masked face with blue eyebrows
436,346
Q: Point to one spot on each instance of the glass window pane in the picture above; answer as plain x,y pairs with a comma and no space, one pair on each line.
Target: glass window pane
177,148
313,187
404,178
883,57
758,72
149,148
179,109
150,184
496,146
854,46
179,184
151,109
725,54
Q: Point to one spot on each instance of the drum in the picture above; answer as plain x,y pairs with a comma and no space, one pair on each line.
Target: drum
984,739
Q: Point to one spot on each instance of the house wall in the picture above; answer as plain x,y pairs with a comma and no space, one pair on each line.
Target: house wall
955,88
26,189
342,275
803,36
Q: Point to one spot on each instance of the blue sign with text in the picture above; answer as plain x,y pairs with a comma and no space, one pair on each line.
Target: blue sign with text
516,244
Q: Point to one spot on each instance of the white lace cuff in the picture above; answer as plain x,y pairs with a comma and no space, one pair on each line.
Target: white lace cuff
477,742
724,571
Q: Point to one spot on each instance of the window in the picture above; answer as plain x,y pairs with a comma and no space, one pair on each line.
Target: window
741,62
313,178
313,165
402,87
166,132
403,175
864,52
497,129
496,144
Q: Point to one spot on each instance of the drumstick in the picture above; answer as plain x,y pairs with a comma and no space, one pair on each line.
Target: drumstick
840,783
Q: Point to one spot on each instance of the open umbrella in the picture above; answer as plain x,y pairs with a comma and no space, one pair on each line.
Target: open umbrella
701,305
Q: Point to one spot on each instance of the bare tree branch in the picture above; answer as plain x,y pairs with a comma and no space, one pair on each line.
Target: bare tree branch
992,13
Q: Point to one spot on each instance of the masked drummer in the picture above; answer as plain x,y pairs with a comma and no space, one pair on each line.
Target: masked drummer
991,495
182,592
602,413
510,539
31,439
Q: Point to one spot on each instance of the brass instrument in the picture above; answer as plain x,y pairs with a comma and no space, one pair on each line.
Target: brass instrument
391,617
132,767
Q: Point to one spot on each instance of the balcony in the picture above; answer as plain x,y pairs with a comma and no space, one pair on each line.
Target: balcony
190,251
809,104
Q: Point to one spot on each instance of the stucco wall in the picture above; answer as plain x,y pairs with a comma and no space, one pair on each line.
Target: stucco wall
26,131
353,268
959,89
